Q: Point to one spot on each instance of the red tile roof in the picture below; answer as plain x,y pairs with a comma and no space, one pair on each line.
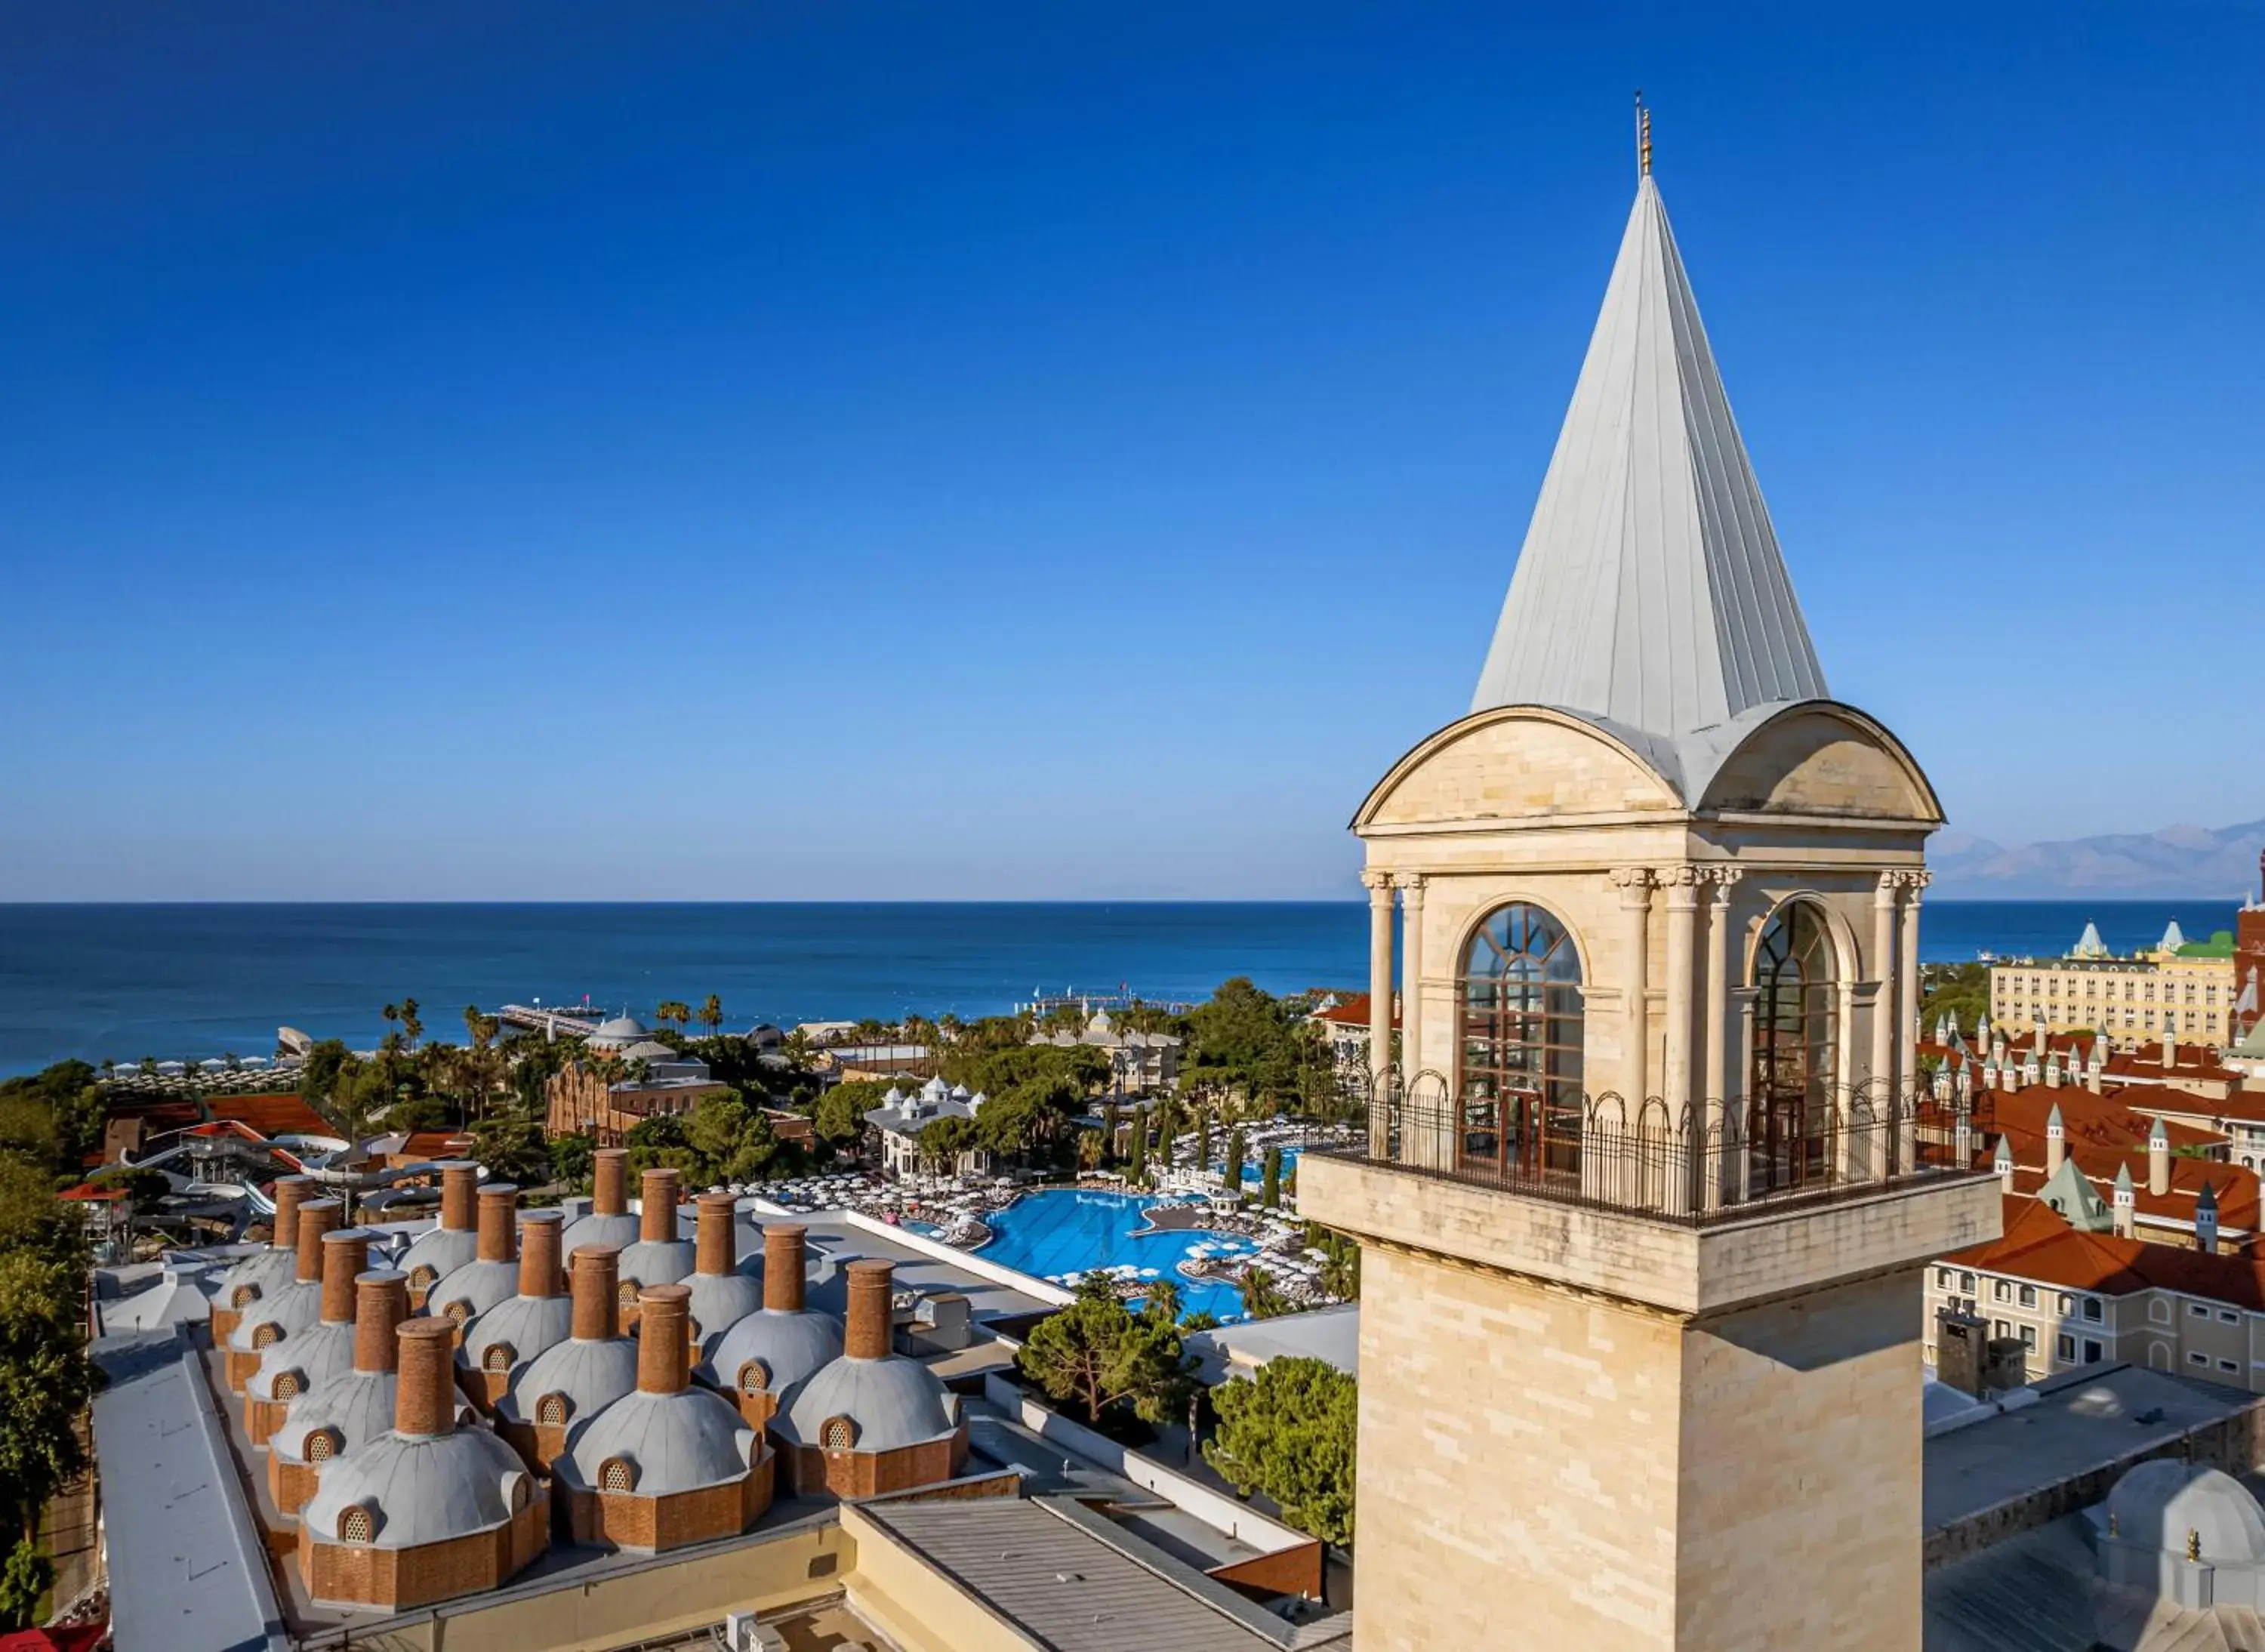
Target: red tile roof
2041,1248
272,1113
424,1146
1353,1011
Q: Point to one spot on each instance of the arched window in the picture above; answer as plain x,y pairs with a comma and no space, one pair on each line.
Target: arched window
498,1360
322,1445
355,1525
267,1336
1519,999
628,1293
421,1276
244,1294
1795,1053
754,1377
613,1474
457,1311
550,1410
837,1434
287,1385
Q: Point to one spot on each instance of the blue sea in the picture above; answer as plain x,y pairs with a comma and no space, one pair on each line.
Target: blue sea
196,981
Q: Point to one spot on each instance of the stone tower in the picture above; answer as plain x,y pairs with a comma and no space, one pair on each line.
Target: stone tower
1646,1195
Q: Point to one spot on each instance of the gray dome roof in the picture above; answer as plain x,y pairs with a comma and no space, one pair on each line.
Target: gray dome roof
791,1346
527,1325
442,1250
418,1491
291,1310
893,1401
590,1372
267,1270
617,1031
358,1405
674,1442
478,1285
720,1301
650,1050
320,1354
661,1261
2157,1504
595,1229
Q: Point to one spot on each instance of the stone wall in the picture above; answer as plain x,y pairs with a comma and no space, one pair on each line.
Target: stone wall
625,1520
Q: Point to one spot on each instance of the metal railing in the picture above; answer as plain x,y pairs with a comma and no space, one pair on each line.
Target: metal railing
1703,1163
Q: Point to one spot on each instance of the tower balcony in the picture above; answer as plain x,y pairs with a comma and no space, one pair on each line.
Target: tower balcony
1723,1206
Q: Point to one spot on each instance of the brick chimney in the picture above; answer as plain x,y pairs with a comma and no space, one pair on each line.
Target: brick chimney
460,1183
346,1253
381,1303
664,1338
610,1192
538,1253
317,1218
716,1250
657,1222
291,1191
871,1308
425,1393
782,1280
499,1208
597,1277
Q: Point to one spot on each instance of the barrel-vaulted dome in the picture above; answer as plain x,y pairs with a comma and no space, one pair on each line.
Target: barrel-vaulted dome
889,1402
2157,1504
787,1346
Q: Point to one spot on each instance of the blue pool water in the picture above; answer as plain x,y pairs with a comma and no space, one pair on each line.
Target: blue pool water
1068,1231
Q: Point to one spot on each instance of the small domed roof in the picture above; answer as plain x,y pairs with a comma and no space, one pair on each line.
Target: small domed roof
589,1373
620,1229
478,1285
790,1345
419,1490
720,1301
892,1402
290,1310
657,1261
524,1326
649,1050
673,1442
441,1249
2157,1504
358,1404
266,1271
617,1034
317,1357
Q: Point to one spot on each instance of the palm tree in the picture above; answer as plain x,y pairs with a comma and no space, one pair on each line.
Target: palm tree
409,1025
711,1015
671,1012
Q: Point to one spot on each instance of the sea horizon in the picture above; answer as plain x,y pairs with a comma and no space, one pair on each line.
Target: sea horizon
119,980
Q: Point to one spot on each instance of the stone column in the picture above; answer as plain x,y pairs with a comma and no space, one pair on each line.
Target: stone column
1411,973
1636,940
1883,1000
1380,971
1907,984
1682,942
1716,1076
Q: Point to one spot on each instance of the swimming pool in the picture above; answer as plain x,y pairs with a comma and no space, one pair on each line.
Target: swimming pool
1070,1230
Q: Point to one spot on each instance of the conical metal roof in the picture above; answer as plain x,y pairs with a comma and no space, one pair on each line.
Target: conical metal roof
1649,591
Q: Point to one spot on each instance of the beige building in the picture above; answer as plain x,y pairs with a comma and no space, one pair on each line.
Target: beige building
2182,987
1645,1217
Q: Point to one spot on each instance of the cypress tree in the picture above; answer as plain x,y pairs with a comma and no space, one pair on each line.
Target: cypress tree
1269,1189
1231,1172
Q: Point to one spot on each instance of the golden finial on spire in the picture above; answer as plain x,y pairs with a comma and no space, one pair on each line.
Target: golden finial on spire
1643,136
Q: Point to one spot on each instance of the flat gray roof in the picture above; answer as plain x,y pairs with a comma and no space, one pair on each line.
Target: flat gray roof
186,1567
2082,1423
1332,1333
1052,1569
833,1236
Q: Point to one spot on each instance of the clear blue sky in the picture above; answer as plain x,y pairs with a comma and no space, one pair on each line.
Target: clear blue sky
1056,449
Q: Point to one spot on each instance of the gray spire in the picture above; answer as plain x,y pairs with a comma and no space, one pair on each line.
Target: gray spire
1650,589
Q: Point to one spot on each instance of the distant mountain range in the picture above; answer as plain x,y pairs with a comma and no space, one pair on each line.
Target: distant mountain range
2179,862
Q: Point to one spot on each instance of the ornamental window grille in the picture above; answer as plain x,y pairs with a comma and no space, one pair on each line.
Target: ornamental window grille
613,1474
1519,1002
628,1293
754,1377
497,1361
267,1336
356,1526
421,1276
457,1311
837,1434
550,1410
1794,1049
242,1295
287,1385
322,1445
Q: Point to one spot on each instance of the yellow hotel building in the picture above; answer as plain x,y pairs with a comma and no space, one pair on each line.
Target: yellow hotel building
2180,987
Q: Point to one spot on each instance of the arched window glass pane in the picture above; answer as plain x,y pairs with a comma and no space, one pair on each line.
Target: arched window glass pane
1795,1058
1518,997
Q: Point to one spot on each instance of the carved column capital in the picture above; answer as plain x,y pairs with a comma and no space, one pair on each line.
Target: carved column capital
1379,884
1413,883
1884,895
1722,878
1627,878
1681,884
1915,881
